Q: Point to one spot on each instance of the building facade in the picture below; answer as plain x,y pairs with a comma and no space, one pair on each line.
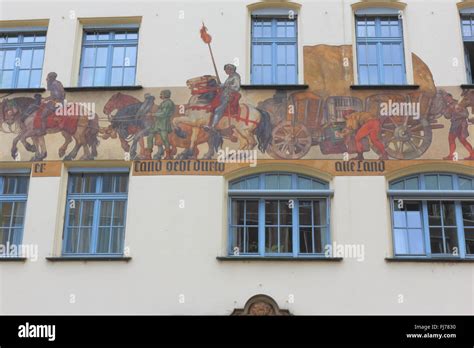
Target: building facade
237,157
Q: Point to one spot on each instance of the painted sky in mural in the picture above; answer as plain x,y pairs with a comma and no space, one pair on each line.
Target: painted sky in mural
329,120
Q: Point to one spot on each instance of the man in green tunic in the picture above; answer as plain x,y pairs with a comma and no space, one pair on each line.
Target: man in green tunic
162,124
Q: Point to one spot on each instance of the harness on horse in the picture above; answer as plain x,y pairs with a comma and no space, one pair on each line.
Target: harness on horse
206,87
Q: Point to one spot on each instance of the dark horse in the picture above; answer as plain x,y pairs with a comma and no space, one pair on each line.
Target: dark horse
131,127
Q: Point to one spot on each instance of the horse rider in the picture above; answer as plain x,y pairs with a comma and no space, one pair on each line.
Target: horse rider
230,87
162,124
57,96
458,116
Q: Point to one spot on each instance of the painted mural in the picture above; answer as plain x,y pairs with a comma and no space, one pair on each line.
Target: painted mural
328,120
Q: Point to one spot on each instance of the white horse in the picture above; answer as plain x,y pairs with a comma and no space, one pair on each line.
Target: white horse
250,128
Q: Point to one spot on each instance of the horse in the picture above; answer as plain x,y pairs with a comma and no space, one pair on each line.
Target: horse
83,130
128,127
244,129
14,112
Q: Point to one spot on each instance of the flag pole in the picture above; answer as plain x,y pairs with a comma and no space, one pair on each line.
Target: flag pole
207,39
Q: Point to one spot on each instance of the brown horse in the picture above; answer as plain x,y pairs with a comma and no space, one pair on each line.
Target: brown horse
14,112
83,128
129,127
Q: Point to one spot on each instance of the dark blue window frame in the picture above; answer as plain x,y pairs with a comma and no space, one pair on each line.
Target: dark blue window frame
287,188
269,66
13,199
380,33
21,58
109,56
445,214
96,204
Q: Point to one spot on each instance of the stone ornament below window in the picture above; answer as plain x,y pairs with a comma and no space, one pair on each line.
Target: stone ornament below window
261,305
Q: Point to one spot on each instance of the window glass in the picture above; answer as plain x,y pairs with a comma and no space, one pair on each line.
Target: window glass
21,62
96,210
109,58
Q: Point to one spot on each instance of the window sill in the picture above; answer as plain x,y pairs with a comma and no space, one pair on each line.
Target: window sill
102,88
277,258
379,87
12,259
426,259
277,87
88,258
22,90
467,86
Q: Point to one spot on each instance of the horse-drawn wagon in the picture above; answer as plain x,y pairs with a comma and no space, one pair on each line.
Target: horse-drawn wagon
313,120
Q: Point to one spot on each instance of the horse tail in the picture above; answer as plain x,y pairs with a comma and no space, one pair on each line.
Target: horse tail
92,135
264,131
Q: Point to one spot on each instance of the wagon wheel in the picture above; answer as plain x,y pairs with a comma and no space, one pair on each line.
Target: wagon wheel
290,141
405,138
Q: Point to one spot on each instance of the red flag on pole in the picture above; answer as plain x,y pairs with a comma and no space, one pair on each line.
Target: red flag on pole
204,35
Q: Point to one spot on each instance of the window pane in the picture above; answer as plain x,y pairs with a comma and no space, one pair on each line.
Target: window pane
271,239
101,59
35,78
305,213
412,184
130,56
84,243
451,236
117,240
469,236
286,240
23,78
90,183
22,184
320,213
468,214
445,182
87,217
416,242
129,77
117,77
401,241
238,210
465,184
306,240
99,77
285,213
271,182
106,213
252,183
431,182
436,240
26,57
118,56
449,214
87,77
434,214
271,212
103,240
88,57
285,182
252,240
251,213
237,235
118,218
7,79
413,211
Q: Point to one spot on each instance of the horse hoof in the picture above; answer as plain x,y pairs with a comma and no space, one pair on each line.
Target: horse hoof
68,158
30,148
61,153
